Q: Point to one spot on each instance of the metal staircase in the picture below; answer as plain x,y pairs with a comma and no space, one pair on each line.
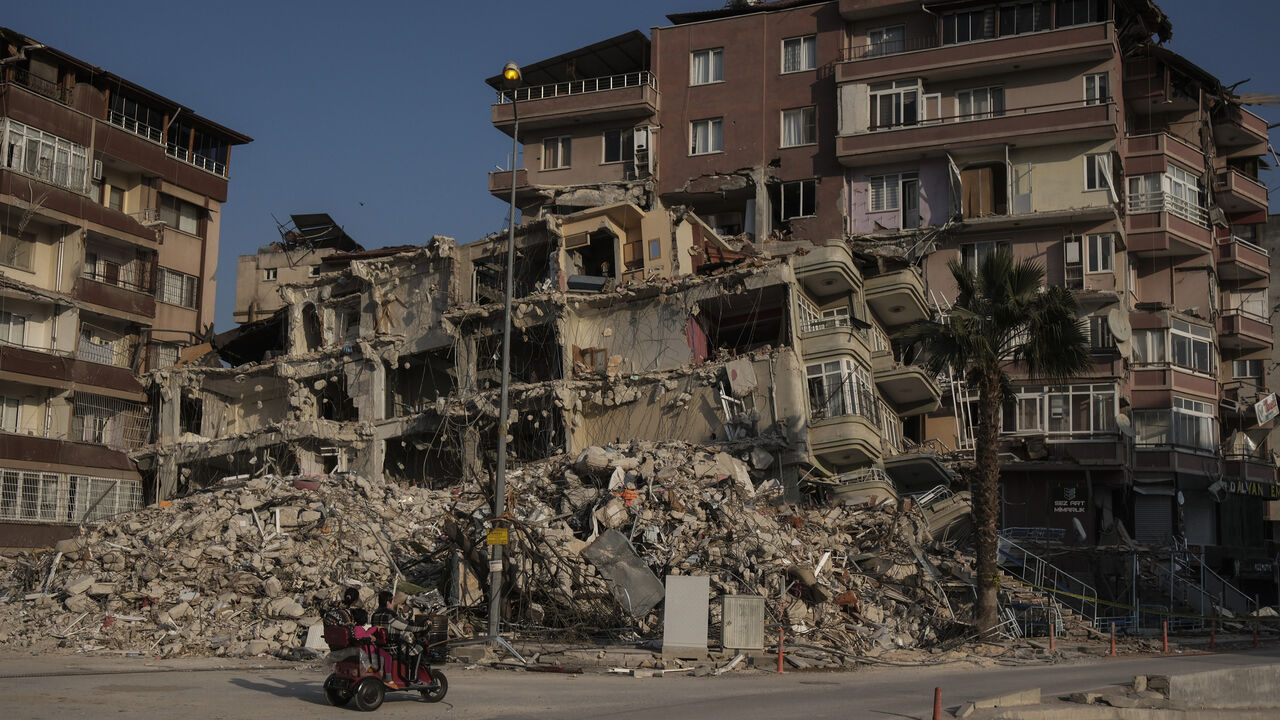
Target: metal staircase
1064,596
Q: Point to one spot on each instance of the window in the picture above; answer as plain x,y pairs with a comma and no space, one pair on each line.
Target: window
136,117
9,414
1082,409
1079,12
1249,302
179,214
176,288
1185,194
269,274
13,328
1194,423
46,157
16,250
1025,17
707,66
799,53
963,27
1191,346
886,41
974,254
115,198
1023,414
887,190
1148,347
1073,262
1096,89
1097,171
314,271
1246,369
1100,253
655,249
619,145
984,190
555,153
163,355
799,199
896,103
1100,337
706,136
799,126
980,103
839,388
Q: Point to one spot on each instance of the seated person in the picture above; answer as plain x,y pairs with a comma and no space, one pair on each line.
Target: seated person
399,631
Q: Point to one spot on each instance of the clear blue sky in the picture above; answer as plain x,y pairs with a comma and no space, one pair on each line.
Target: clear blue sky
376,112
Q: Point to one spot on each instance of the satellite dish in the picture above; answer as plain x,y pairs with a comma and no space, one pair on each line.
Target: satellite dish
1118,321
1125,348
1123,425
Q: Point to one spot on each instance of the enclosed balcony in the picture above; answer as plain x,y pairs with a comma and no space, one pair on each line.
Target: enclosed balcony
897,298
1243,330
1239,193
1238,259
934,135
922,55
1161,224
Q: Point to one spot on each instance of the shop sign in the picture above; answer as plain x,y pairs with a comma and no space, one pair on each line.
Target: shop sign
1267,408
1254,488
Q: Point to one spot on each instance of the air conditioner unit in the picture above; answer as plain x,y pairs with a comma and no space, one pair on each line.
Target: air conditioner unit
97,169
641,138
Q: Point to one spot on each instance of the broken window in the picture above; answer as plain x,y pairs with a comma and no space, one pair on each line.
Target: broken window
738,324
535,356
312,331
191,414
532,273
984,191
118,424
333,402
415,381
592,254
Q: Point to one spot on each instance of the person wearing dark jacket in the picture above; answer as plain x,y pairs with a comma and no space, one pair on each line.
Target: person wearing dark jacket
400,632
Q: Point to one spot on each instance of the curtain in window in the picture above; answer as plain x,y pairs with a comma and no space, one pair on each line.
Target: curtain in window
796,127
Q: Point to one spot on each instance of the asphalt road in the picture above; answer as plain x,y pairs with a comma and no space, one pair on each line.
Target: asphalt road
46,691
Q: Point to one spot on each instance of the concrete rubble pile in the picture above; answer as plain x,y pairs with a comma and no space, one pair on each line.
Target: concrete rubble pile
242,569
249,566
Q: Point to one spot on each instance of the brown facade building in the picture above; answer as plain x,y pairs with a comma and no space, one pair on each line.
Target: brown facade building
914,132
110,199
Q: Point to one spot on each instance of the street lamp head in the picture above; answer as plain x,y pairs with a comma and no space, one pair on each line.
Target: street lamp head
511,75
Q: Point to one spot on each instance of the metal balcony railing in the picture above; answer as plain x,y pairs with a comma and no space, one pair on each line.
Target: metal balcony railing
40,85
846,398
579,87
70,176
133,276
192,157
141,129
890,47
1164,202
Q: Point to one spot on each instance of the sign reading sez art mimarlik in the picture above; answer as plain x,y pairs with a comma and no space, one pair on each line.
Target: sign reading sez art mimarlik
1070,500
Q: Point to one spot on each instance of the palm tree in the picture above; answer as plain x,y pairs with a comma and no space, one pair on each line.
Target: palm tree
1002,319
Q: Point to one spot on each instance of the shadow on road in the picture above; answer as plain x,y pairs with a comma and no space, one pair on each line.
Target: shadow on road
308,690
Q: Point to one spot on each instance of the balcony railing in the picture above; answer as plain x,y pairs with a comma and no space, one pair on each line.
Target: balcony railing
1249,245
40,85
844,399
65,175
1164,202
890,47
191,157
920,120
104,347
579,87
120,120
137,279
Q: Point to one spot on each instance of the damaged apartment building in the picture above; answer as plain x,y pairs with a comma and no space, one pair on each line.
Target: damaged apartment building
109,215
727,222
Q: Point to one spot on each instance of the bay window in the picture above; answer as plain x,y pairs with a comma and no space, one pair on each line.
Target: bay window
838,388
1189,423
1149,347
44,156
1191,346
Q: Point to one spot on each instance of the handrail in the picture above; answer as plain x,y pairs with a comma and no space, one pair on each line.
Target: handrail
986,115
39,85
1159,201
1048,578
1246,244
579,87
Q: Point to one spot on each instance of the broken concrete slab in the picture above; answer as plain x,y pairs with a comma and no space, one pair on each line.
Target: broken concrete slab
631,582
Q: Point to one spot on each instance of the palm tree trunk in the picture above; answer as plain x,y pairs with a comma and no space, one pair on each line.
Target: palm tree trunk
985,486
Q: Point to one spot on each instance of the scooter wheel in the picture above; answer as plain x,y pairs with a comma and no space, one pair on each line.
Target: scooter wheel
369,694
337,698
439,686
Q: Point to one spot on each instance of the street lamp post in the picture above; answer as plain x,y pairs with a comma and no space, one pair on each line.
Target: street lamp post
511,78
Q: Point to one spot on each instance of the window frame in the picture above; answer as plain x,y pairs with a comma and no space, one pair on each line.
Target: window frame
895,92
809,56
270,274
1097,170
978,246
166,203
715,70
563,152
991,92
809,198
189,285
711,124
1094,264
13,245
625,146
1249,373
1199,342
809,126
884,46
1101,81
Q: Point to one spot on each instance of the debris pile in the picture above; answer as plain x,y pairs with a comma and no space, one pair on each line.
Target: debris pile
249,566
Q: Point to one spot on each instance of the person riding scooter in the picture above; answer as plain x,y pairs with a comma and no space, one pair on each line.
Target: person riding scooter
400,632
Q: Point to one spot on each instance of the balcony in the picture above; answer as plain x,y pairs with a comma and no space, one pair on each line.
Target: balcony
844,440
1243,330
500,185
47,368
631,96
1237,131
909,389
897,298
38,85
1241,260
132,302
827,271
1058,123
1151,153
1249,469
1160,224
923,56
1239,193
